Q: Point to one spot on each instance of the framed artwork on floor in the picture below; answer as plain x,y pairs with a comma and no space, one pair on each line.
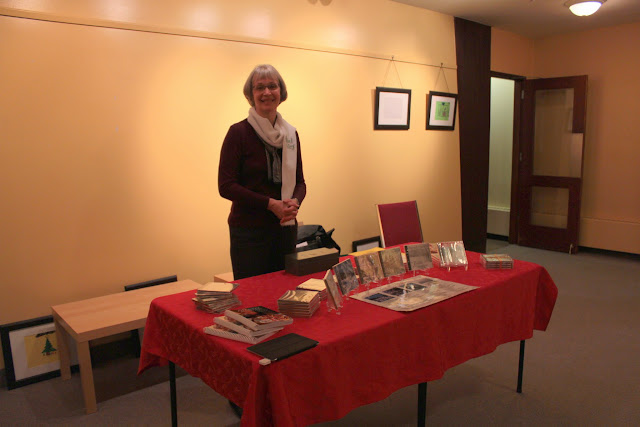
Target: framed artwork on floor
30,350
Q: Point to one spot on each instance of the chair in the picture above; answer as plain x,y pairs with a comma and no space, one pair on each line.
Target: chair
136,334
399,223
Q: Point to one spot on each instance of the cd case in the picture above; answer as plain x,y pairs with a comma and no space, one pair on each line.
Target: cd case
283,347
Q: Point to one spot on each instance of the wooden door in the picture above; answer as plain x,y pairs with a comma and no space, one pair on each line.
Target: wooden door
550,178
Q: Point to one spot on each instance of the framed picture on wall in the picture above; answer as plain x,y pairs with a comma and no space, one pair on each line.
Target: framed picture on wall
393,109
441,110
30,350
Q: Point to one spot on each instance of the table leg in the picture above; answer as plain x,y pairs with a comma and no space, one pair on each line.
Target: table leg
422,404
63,350
86,377
520,367
174,399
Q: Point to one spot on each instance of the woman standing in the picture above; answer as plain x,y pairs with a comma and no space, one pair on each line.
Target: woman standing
261,173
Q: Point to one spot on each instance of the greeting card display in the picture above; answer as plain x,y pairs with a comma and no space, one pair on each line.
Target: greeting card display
346,276
392,264
369,267
418,256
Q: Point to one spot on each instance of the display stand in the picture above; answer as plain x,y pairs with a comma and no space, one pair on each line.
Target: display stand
452,254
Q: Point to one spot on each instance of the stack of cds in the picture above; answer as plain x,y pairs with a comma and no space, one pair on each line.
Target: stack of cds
216,297
496,261
250,325
314,285
299,303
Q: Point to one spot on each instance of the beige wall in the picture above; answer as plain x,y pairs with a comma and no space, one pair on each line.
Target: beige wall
610,211
111,131
511,53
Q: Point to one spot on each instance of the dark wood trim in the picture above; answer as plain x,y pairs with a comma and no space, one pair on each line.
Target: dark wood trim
473,56
515,160
506,76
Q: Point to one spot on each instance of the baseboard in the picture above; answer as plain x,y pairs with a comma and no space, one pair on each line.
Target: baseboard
627,255
497,237
587,249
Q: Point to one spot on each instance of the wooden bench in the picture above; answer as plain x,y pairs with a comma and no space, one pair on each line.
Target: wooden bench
101,317
224,277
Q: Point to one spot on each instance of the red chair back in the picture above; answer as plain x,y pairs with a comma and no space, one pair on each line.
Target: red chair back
399,223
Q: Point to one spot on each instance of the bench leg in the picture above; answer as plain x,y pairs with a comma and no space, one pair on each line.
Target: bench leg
520,367
174,397
86,377
63,350
422,404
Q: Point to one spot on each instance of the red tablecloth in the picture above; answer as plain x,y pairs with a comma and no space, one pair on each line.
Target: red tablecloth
364,354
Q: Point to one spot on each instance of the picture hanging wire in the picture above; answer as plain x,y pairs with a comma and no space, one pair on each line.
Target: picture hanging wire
387,72
441,71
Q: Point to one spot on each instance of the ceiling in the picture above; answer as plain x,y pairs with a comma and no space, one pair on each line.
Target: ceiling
533,18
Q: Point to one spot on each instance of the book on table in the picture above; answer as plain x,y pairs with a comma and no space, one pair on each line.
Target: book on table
236,326
299,302
223,332
314,285
215,297
259,317
496,261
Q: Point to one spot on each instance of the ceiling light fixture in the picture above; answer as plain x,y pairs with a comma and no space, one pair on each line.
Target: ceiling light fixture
584,7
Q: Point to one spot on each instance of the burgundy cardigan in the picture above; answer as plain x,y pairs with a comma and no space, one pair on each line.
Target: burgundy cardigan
242,178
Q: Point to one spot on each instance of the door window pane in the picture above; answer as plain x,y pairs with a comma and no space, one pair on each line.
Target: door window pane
549,206
557,150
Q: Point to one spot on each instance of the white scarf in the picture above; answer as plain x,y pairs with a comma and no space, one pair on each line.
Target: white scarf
281,135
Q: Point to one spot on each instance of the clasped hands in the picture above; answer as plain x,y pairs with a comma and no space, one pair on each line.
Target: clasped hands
285,210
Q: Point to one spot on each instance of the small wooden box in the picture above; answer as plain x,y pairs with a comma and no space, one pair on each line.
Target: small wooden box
311,261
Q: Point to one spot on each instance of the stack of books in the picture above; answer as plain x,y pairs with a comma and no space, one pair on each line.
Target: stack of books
496,261
250,325
216,297
314,285
299,303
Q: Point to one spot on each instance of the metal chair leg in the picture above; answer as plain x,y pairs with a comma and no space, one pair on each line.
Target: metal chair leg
174,400
422,404
520,367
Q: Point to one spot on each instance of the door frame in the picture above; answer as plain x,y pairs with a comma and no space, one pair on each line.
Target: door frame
516,157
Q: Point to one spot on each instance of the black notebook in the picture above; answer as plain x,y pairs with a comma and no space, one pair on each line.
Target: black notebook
282,347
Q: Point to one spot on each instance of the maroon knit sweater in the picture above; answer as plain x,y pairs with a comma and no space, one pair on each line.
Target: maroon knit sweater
242,178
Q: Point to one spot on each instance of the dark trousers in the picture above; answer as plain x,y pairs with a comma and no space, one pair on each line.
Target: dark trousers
257,251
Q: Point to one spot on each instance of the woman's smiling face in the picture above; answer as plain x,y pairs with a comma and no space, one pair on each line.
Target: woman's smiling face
266,96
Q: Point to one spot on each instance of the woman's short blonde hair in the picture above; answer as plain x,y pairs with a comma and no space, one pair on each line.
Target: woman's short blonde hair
261,71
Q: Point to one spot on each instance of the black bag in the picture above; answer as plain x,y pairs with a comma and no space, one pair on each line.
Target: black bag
316,237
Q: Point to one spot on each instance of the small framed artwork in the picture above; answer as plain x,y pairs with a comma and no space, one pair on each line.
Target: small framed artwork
393,109
441,110
364,244
30,350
